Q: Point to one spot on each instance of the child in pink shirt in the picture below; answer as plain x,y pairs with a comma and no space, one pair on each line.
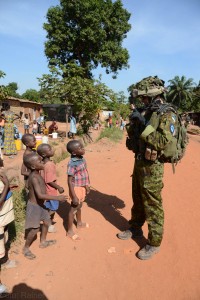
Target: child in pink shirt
49,175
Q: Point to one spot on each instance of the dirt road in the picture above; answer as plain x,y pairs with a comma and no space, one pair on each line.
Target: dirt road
85,270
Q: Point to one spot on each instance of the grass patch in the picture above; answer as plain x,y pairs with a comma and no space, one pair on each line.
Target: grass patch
193,131
114,134
57,159
16,228
53,143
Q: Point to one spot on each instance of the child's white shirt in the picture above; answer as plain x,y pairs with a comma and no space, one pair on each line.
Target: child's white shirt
25,121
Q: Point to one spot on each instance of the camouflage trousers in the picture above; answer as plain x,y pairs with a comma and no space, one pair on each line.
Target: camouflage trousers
147,185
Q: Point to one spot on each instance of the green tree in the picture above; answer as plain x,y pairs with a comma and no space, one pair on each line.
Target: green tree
121,98
195,106
87,96
31,94
180,92
120,105
3,90
82,35
52,89
12,88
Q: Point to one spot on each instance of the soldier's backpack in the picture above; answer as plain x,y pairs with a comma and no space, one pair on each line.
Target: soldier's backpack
175,148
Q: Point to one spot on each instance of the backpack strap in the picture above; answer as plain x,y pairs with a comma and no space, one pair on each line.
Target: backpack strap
167,107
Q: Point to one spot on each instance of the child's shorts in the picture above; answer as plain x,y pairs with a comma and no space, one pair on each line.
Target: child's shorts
35,214
26,126
52,204
80,192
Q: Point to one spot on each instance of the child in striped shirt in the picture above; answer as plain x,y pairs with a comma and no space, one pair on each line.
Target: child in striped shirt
78,182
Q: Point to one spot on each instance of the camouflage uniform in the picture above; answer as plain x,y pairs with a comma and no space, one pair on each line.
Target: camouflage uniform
147,180
155,136
146,190
152,136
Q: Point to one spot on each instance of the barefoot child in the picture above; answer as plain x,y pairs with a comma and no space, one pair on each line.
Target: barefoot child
78,182
29,141
36,211
49,176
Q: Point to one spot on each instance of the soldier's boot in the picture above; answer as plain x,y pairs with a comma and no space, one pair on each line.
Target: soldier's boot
130,233
147,252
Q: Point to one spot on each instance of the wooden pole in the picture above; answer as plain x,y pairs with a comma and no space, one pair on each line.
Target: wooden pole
66,123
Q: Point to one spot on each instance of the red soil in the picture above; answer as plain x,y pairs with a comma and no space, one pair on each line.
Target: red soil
86,270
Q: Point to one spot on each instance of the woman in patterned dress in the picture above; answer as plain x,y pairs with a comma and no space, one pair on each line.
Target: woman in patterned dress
9,142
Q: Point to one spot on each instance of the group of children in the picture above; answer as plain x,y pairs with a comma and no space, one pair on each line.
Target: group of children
36,127
42,190
42,197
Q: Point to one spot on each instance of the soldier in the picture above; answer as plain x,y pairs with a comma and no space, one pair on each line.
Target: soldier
147,180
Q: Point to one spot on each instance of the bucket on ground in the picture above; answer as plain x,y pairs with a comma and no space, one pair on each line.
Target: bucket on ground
38,140
54,135
18,144
45,139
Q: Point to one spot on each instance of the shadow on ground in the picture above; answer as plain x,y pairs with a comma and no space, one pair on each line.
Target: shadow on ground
63,212
23,291
109,206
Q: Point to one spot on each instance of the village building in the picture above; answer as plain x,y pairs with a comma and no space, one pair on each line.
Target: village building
194,118
23,106
104,114
57,112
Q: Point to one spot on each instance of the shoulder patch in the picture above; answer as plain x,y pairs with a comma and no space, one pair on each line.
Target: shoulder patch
172,128
174,118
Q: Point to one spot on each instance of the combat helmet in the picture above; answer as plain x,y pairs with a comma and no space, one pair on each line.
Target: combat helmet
150,86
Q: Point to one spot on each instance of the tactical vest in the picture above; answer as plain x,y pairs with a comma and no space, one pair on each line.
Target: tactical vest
176,136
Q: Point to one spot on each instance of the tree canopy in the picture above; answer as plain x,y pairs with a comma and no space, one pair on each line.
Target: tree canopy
3,90
31,94
196,98
12,88
87,96
180,92
81,35
8,90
